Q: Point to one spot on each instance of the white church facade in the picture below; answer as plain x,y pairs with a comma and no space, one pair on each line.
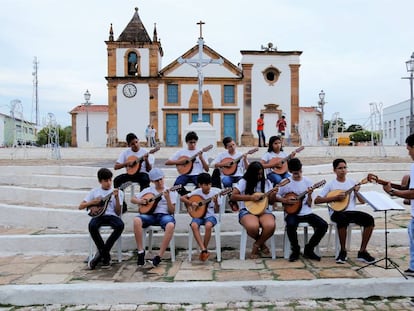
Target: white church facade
142,92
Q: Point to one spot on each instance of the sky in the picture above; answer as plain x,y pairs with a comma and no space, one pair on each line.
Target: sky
354,50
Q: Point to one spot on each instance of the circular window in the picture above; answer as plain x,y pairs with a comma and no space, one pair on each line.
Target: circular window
271,75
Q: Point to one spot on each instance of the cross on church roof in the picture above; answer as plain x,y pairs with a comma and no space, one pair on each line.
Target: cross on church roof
201,23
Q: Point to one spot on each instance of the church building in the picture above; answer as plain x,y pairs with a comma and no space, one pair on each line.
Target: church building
142,92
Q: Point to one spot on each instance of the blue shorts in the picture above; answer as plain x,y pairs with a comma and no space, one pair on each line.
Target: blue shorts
156,220
243,212
202,221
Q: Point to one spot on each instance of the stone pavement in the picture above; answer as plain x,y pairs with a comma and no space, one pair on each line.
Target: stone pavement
62,281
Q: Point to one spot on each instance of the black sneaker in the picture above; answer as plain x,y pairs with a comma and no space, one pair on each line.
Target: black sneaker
156,261
341,259
92,263
141,258
409,272
365,257
310,254
294,255
106,264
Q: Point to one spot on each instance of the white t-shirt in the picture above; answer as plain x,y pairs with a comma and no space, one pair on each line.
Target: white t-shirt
412,187
162,207
223,155
123,157
336,185
298,187
197,165
241,186
101,193
270,155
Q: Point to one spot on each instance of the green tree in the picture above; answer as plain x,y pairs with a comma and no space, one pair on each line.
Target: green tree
354,128
65,136
363,136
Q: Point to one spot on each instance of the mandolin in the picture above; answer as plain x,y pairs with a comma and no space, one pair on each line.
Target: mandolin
186,165
339,206
258,207
201,210
294,207
280,164
152,200
404,185
99,210
228,166
134,162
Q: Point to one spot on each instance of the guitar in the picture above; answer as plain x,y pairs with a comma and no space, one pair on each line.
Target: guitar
136,162
280,164
99,210
152,200
230,165
404,185
294,207
339,206
258,207
186,165
201,210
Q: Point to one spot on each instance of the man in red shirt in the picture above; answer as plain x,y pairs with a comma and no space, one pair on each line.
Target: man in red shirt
260,132
281,126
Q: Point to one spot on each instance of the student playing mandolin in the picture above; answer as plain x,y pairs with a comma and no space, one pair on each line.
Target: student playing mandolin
111,217
288,195
252,188
137,161
160,213
192,200
189,161
349,193
272,161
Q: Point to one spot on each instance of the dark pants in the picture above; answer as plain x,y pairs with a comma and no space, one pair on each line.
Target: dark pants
343,219
319,225
183,180
141,178
261,137
116,224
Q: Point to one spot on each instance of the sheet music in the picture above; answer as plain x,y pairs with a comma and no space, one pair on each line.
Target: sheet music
380,201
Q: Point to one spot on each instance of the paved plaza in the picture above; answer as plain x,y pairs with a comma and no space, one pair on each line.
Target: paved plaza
42,266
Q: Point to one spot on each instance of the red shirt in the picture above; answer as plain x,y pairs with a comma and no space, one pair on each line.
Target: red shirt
260,124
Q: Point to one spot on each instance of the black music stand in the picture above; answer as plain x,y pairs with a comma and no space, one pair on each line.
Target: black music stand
381,202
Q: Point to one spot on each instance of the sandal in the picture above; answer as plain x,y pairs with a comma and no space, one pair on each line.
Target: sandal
255,251
265,250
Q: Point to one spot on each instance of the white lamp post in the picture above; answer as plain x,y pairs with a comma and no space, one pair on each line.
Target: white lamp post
410,69
321,104
87,97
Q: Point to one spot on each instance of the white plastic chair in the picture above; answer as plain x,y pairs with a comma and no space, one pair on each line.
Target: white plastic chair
216,232
243,243
286,241
105,231
150,230
348,237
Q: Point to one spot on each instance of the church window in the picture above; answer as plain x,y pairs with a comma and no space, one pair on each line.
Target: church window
271,75
229,97
132,64
172,93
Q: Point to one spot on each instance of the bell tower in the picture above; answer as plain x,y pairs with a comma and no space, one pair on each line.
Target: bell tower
134,61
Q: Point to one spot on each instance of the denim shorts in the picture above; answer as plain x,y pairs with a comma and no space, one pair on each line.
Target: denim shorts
202,221
243,212
156,220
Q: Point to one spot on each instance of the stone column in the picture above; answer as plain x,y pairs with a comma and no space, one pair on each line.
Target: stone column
247,138
294,102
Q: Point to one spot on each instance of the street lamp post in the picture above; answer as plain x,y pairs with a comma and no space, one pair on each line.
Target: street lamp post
410,69
321,105
87,97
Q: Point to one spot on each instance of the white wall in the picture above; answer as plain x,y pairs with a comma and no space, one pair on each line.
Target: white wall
2,120
97,129
395,123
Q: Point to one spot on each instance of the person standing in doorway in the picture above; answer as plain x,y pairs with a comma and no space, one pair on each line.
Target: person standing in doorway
153,131
281,127
260,130
148,135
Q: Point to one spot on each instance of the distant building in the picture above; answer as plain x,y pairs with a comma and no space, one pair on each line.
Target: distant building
97,123
396,123
16,132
